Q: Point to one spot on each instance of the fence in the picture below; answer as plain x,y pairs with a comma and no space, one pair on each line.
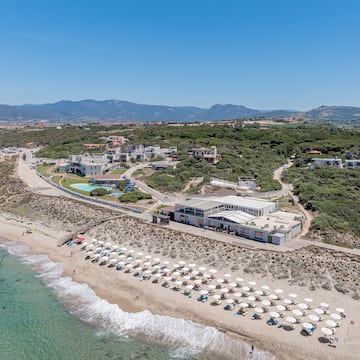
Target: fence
127,208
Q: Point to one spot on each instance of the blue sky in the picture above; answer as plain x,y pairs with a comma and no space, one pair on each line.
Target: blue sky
265,54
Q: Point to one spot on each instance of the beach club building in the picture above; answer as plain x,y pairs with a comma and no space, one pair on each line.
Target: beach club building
85,165
247,217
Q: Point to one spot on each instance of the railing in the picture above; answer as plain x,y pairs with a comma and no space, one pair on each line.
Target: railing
88,198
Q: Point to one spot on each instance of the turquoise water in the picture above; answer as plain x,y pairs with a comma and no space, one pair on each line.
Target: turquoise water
46,316
88,188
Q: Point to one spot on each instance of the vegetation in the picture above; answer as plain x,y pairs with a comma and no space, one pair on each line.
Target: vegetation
42,169
99,192
333,193
134,196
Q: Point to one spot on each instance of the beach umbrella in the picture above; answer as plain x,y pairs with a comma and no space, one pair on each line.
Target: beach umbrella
340,310
259,292
220,281
278,291
232,284
91,246
165,262
287,301
182,263
178,282
212,287
187,277
165,270
147,272
274,314
197,282
138,260
326,331
227,275
175,266
252,283
93,241
202,268
212,271
157,275
148,257
113,261
245,288
139,268
130,258
297,312
185,269
259,310
105,258
189,287
167,278
336,316
147,263
324,305
239,279
251,298
302,306
115,247
84,243
121,263
100,243
123,249
207,276
131,251
230,301
265,287
290,320
313,318
237,294
99,249
244,305
114,253
293,296
266,302
273,297
281,307
176,273
216,297
191,265
122,256
319,311
330,323
89,253
204,292
156,267
140,254
224,290
195,273
108,245
156,260
307,326
129,266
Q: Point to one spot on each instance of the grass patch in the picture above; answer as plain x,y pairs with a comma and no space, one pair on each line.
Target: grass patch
67,182
118,171
42,169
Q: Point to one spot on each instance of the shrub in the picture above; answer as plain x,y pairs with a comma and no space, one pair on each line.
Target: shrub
99,192
134,196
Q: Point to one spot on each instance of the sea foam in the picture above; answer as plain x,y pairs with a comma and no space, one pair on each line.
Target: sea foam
185,338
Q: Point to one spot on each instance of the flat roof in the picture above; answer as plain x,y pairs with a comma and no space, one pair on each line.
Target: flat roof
249,202
202,204
108,177
238,217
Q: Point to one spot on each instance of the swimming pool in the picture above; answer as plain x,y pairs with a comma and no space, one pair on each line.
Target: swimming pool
88,188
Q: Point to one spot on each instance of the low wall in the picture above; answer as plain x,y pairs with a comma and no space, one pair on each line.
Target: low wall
88,198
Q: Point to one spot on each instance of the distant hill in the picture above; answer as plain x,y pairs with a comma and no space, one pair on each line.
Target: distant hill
119,110
337,114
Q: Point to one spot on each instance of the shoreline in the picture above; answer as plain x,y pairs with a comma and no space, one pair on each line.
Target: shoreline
134,296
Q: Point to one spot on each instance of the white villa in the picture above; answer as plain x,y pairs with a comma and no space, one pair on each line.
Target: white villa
85,165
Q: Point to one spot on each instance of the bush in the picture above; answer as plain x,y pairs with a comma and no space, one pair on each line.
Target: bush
99,192
134,196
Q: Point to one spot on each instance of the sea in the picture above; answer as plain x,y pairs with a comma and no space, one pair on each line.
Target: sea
44,315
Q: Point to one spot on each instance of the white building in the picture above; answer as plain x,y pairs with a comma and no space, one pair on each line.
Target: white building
324,161
251,218
352,164
85,165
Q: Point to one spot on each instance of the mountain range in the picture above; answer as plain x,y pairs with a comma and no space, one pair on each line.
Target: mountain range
119,110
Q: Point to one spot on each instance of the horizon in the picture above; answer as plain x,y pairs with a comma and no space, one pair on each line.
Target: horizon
197,53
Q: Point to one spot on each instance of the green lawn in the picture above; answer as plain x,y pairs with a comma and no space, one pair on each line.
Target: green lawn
118,171
67,182
42,169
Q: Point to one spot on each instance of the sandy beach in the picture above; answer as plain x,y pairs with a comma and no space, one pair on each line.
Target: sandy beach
322,274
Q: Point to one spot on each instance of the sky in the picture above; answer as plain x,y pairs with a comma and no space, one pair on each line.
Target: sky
264,54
